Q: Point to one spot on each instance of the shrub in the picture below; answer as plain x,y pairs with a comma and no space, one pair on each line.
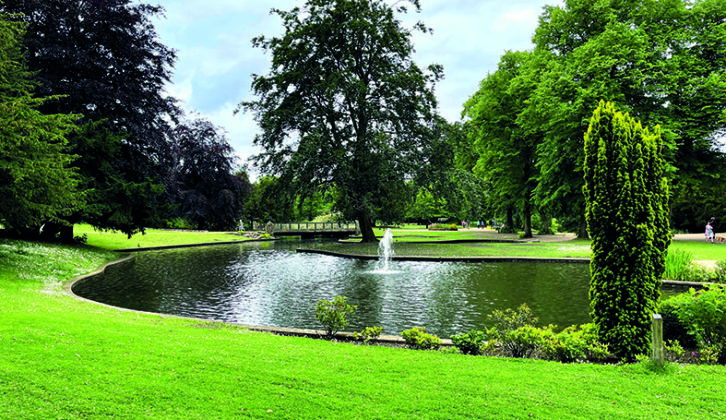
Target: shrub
626,196
575,343
416,338
470,342
440,226
702,314
368,334
512,319
720,272
334,315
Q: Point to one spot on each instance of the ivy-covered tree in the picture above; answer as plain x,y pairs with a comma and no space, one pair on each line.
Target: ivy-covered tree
105,58
626,196
37,185
345,105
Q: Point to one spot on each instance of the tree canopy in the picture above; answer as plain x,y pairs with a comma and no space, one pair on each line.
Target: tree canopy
660,60
36,183
105,59
344,105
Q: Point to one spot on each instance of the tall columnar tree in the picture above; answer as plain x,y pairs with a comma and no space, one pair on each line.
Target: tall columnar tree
626,196
105,58
36,183
345,105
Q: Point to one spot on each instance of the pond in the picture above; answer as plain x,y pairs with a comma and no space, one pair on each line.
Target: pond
268,283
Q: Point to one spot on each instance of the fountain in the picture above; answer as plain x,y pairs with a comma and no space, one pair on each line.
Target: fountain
385,253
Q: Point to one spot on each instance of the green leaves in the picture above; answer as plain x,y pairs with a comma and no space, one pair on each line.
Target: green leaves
626,210
36,183
344,104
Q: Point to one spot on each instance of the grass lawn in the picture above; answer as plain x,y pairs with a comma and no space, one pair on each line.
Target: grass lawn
152,238
65,358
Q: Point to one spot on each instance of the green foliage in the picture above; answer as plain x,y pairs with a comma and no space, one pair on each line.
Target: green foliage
507,151
417,339
512,319
627,215
575,343
514,334
334,113
439,226
678,265
180,223
368,334
333,315
702,314
37,184
720,272
470,342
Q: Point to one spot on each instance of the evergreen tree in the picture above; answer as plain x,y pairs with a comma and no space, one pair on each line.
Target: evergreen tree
626,196
36,184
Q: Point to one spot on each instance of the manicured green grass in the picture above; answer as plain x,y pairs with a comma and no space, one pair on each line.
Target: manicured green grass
701,250
66,358
152,238
567,249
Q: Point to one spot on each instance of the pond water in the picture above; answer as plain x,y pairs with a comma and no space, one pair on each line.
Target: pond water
268,283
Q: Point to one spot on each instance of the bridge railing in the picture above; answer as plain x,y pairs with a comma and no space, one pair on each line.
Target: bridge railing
307,227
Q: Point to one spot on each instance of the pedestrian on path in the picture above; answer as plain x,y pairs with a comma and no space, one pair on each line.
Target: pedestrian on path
709,230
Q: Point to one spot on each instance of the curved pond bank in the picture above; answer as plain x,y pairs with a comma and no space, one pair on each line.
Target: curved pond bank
270,284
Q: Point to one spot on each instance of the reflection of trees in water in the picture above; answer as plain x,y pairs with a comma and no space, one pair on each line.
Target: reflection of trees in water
278,287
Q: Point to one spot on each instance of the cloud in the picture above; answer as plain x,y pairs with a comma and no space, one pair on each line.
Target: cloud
216,58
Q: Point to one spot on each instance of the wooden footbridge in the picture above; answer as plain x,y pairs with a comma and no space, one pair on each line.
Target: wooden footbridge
309,230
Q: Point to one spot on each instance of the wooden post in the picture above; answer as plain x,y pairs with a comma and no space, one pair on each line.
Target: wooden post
658,356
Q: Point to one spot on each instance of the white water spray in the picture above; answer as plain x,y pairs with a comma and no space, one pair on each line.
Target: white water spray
385,252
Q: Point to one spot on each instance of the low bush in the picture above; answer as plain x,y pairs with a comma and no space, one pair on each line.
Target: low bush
333,315
514,334
702,315
575,344
470,342
368,334
720,272
417,338
439,226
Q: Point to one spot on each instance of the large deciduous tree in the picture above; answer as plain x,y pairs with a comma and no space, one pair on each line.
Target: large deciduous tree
105,57
507,152
344,104
36,183
203,186
626,196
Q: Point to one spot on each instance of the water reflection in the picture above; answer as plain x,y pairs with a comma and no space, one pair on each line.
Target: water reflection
270,284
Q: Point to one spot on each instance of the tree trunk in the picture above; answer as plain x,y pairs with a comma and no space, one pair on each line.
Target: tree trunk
546,228
527,216
366,227
509,222
582,234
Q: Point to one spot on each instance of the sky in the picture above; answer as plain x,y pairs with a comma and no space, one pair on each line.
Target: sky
216,60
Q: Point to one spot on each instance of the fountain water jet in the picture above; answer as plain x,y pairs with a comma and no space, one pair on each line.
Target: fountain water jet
385,252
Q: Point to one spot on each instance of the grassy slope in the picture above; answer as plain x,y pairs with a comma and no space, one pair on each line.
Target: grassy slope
65,358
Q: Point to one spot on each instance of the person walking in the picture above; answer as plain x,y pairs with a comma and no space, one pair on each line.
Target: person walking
709,230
